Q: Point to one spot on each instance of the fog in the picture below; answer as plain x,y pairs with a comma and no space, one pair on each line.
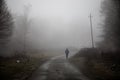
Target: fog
60,23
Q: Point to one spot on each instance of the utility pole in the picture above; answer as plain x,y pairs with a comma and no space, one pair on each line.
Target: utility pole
92,37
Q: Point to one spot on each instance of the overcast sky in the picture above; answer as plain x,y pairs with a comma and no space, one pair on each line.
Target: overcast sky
62,23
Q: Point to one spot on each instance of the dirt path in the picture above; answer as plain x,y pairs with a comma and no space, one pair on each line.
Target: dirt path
58,68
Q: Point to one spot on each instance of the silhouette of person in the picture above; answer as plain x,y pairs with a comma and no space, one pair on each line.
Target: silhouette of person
67,53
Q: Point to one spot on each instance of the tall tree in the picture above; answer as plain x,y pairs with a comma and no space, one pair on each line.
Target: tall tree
111,25
6,25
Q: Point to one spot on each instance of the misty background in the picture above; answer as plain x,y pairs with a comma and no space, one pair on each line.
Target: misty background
34,34
54,24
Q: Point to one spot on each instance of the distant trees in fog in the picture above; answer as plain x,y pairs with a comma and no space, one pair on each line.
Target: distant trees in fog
21,31
111,24
6,26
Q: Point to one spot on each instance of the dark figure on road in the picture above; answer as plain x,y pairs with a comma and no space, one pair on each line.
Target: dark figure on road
67,53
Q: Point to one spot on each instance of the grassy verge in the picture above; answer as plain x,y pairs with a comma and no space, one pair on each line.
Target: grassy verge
19,68
98,67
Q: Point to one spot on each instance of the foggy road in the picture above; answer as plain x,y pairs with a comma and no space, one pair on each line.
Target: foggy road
58,68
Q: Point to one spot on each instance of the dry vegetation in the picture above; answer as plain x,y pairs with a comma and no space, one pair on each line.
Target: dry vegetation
98,65
19,67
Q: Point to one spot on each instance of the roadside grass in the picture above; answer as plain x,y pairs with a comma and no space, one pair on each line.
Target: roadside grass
79,62
98,67
19,68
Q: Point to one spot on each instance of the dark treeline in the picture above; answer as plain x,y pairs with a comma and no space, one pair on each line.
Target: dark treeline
111,24
14,31
15,64
6,27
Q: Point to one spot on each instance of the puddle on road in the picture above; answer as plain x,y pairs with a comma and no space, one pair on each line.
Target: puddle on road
46,65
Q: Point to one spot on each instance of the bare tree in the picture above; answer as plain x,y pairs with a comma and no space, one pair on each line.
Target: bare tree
22,25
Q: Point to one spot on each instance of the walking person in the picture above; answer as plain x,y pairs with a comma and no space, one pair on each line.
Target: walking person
67,53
